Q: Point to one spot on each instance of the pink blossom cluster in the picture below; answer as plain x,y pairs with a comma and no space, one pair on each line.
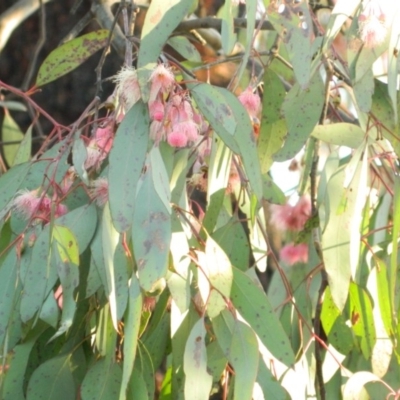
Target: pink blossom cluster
172,115
293,219
373,24
252,103
32,205
99,146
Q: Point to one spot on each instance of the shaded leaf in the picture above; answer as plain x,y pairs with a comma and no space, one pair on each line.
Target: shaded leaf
53,379
127,158
151,232
102,382
70,55
185,48
25,148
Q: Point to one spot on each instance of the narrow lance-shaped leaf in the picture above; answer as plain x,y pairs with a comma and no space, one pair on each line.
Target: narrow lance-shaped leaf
198,382
131,331
255,308
302,109
239,344
10,133
65,257
127,158
70,55
25,148
151,232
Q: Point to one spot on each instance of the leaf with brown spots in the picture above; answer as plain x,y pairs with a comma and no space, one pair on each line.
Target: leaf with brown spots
71,55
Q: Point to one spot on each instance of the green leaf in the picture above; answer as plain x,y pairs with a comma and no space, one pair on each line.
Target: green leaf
151,232
127,158
272,192
25,148
354,387
228,35
253,304
79,156
334,324
110,240
383,288
40,276
269,385
234,242
10,183
10,132
185,48
162,17
13,384
295,28
272,137
131,331
65,256
239,344
346,200
53,379
8,290
197,382
71,55
302,109
102,382
137,387
82,223
340,134
360,310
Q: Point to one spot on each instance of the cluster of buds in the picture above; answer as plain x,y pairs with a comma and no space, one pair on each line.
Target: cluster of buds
293,219
373,23
99,146
32,205
172,115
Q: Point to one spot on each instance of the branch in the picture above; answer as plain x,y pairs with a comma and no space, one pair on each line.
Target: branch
216,23
14,16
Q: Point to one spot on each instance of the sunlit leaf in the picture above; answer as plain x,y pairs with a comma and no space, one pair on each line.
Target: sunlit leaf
340,134
239,344
197,380
12,136
302,109
70,55
131,331
355,385
254,306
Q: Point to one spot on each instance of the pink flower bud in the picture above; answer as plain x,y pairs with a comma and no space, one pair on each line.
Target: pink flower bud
156,109
292,254
99,191
177,139
26,203
128,87
162,80
251,102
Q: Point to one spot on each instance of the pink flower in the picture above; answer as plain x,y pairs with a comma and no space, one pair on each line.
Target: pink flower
190,129
373,24
104,137
177,138
128,87
292,218
26,203
156,109
157,131
61,210
99,191
251,101
162,80
294,253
